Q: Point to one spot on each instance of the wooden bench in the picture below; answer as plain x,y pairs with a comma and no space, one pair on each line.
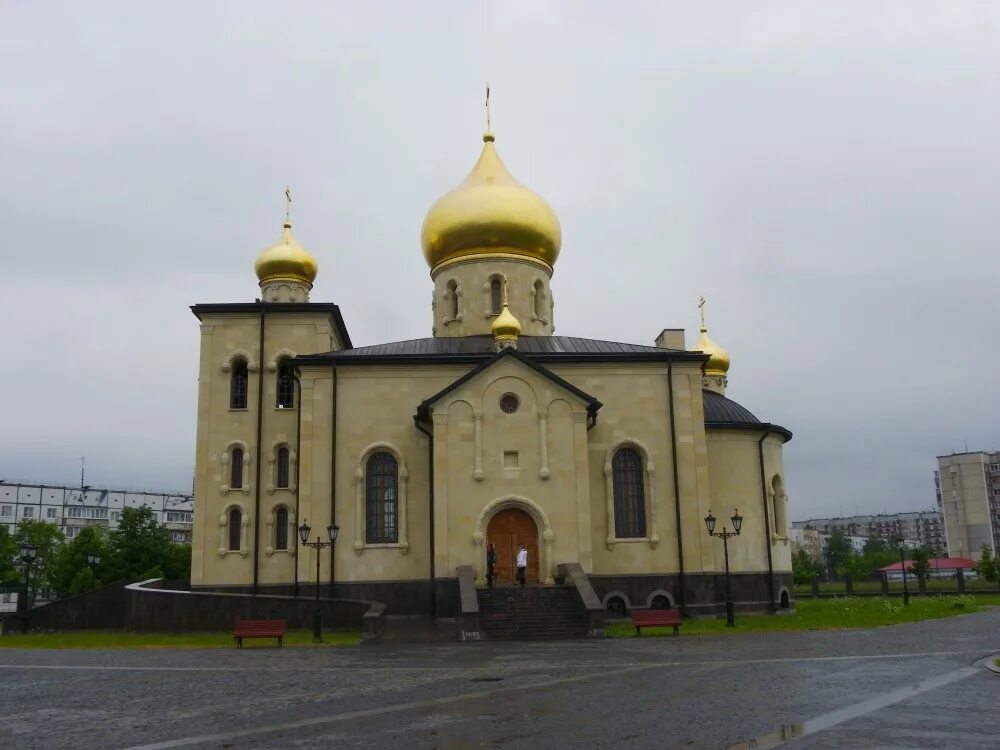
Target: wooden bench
259,629
653,618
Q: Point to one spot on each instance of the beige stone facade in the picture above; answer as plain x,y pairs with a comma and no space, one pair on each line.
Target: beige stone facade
968,494
610,454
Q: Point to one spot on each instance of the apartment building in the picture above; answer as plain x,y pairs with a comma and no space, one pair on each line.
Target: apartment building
73,508
923,528
968,495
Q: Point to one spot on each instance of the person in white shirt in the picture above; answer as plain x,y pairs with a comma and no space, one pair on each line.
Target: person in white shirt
522,564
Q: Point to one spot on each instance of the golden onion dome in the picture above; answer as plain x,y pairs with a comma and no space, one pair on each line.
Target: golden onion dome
718,358
505,325
286,260
490,212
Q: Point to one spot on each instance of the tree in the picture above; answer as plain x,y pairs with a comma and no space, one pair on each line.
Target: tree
46,538
858,567
83,581
71,560
139,545
804,568
920,563
988,566
8,554
838,549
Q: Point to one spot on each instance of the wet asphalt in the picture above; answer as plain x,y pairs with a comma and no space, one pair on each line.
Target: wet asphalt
908,686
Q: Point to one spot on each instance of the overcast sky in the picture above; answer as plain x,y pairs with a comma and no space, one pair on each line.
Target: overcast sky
827,174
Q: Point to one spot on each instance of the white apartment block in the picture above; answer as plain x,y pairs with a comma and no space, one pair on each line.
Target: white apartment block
923,528
73,508
968,494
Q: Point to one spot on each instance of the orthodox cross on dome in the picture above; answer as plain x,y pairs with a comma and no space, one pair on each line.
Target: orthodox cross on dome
506,301
489,128
701,309
288,206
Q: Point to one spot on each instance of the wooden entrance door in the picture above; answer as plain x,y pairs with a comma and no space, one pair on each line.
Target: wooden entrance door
509,529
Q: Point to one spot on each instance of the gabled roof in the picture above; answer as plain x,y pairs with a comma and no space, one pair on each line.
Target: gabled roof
936,563
423,410
456,349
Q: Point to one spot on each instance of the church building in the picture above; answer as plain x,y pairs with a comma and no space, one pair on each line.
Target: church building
493,429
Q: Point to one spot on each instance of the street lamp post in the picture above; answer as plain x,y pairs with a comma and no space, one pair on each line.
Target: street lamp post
319,544
28,553
725,536
93,560
902,563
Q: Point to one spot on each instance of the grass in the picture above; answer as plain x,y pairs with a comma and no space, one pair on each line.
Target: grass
829,614
116,639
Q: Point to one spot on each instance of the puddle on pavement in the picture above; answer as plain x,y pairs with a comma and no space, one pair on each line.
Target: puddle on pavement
791,732
486,679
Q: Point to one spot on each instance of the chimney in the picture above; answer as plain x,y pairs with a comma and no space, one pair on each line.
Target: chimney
671,338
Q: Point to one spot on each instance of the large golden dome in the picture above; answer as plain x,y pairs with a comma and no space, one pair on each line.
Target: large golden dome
718,359
489,213
286,260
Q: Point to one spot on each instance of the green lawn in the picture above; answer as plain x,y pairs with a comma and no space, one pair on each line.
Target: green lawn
830,614
114,639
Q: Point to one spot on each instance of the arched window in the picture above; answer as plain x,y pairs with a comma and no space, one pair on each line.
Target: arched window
236,469
382,499
238,385
539,300
235,527
281,480
281,529
286,385
452,300
496,296
630,500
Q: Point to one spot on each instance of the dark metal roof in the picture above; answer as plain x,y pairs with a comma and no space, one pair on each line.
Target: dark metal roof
718,408
475,348
722,413
270,308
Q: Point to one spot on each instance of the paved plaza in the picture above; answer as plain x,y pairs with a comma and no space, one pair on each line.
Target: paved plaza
911,686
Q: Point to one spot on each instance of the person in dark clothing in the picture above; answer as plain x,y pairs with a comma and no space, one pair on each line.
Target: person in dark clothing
491,563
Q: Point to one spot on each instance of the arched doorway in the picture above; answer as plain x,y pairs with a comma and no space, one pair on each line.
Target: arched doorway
509,529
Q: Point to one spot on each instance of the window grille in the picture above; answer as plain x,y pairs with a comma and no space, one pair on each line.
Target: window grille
286,386
238,385
281,529
629,494
235,521
382,492
236,469
496,296
282,479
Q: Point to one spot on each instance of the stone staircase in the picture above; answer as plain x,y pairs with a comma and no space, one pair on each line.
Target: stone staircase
532,613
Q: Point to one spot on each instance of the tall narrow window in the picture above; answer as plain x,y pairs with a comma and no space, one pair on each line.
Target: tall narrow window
235,523
281,529
452,300
630,500
286,385
539,300
236,469
238,385
282,479
382,493
496,296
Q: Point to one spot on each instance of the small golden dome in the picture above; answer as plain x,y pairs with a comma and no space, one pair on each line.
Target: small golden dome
490,212
286,260
718,360
505,325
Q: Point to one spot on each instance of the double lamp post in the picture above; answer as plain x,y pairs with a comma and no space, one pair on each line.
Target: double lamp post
725,536
28,554
304,530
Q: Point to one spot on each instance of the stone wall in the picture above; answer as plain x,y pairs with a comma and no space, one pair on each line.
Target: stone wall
149,608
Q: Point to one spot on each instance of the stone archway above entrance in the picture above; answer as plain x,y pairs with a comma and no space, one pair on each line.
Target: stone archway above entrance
537,514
